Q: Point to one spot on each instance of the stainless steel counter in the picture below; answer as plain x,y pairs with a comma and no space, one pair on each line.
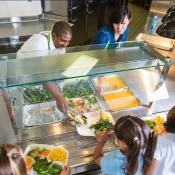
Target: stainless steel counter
80,148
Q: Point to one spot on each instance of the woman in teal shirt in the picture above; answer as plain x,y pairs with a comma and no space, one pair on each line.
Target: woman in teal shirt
136,144
117,29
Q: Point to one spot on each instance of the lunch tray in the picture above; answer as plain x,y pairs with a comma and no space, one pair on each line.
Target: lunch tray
33,146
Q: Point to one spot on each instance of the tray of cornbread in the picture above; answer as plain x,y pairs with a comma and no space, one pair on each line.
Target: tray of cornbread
115,93
107,83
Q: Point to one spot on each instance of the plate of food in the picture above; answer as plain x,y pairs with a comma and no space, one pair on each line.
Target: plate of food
156,123
45,159
96,121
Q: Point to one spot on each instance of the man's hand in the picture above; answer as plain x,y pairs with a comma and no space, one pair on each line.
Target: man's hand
101,137
61,103
101,85
66,171
60,100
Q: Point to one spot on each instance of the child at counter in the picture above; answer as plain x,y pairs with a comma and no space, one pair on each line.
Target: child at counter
12,161
164,160
136,144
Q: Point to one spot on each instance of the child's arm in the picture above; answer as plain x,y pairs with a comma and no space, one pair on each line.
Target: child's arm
153,167
98,153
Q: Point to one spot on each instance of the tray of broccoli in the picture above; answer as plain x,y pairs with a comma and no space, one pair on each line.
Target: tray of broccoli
35,94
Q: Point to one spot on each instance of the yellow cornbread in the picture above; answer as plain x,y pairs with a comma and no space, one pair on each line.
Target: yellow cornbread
121,100
58,154
112,82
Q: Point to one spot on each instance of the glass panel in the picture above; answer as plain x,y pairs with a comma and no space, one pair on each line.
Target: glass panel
118,91
37,67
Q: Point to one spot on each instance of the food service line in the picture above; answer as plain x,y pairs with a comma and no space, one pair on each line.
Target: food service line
81,148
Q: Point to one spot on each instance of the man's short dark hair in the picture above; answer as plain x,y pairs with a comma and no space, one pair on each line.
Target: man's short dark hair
62,27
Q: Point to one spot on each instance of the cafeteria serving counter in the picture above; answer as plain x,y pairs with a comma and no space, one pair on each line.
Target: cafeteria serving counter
147,73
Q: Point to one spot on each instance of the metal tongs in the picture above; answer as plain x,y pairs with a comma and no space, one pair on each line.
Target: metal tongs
74,114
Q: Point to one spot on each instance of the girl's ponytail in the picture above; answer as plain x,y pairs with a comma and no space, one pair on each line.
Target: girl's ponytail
149,152
132,157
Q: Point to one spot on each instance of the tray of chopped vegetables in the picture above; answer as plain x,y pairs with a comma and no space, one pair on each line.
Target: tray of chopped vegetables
35,94
75,89
89,123
45,159
156,123
83,104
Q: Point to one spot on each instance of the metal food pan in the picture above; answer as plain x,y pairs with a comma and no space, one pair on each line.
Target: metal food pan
38,93
93,80
107,107
82,108
73,82
41,113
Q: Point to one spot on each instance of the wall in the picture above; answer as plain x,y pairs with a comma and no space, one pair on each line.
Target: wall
56,7
20,8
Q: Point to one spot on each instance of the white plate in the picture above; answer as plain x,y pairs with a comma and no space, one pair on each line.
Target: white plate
33,146
92,118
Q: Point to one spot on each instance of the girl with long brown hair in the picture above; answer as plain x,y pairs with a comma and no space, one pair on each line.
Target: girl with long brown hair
12,161
136,144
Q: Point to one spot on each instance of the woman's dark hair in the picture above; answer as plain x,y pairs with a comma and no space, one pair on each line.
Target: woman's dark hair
119,14
135,133
12,160
170,123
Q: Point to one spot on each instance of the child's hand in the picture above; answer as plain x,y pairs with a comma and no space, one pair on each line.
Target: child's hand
66,170
101,137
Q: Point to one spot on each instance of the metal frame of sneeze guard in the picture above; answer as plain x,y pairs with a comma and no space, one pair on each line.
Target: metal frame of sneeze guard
7,132
3,71
48,67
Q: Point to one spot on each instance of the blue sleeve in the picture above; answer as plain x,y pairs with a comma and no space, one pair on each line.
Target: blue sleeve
104,165
112,163
100,38
124,36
